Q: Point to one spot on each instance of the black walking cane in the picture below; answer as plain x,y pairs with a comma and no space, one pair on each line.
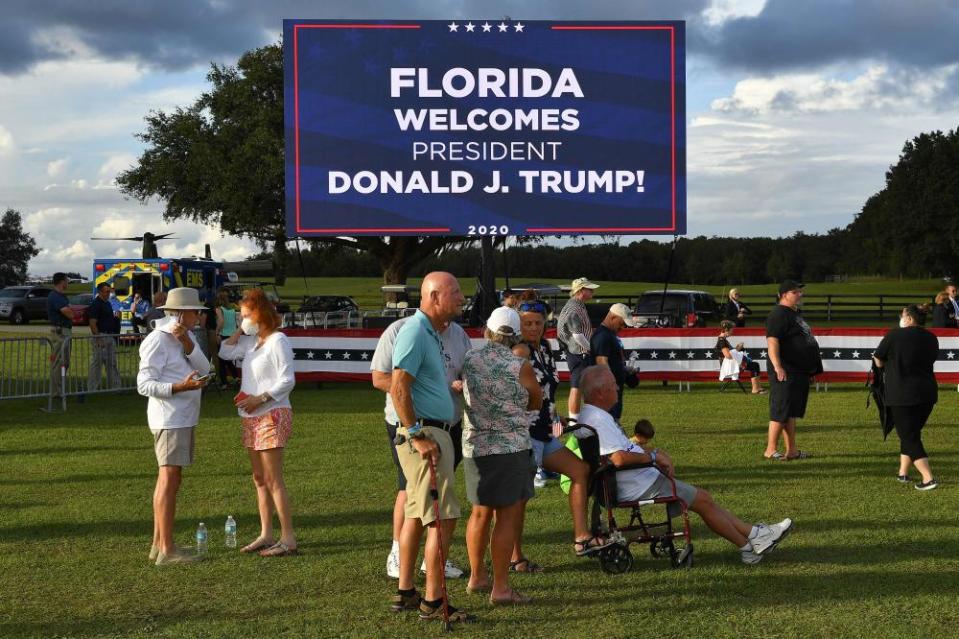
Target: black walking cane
435,495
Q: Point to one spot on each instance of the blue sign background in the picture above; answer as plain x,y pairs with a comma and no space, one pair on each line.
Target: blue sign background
340,118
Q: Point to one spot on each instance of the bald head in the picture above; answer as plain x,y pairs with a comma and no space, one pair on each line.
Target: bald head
598,386
440,297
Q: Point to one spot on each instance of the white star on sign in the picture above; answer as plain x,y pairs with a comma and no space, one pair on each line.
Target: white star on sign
309,355
365,355
518,27
950,355
690,354
762,355
672,355
836,354
453,26
654,355
329,355
503,27
346,355
855,354
709,354
470,26
486,27
562,355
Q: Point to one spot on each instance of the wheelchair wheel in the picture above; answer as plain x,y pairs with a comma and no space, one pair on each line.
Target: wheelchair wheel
616,560
661,548
682,558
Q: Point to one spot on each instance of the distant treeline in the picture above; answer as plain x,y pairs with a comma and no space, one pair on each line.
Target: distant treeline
908,229
700,260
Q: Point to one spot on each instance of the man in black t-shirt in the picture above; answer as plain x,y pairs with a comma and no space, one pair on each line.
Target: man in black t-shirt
793,358
106,322
606,348
61,328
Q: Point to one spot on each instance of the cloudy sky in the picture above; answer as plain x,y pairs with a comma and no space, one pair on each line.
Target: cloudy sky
795,109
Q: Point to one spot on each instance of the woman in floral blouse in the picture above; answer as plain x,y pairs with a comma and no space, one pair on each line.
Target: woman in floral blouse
499,389
549,451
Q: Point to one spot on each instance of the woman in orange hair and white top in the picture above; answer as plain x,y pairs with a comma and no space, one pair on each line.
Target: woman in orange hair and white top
264,406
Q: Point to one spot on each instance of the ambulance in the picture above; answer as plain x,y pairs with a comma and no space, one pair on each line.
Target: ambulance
147,276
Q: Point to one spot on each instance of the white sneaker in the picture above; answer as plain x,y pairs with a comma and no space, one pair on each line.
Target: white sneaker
393,564
452,570
539,480
770,535
750,557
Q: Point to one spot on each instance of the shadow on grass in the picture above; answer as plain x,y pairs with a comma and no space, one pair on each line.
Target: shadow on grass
75,479
55,450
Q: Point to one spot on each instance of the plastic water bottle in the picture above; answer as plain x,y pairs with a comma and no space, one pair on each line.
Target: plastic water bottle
202,539
230,532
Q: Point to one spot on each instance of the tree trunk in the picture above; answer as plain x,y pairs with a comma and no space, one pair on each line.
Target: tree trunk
281,258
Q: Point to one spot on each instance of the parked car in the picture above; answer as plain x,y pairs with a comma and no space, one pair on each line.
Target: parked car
20,304
80,304
235,291
681,309
326,311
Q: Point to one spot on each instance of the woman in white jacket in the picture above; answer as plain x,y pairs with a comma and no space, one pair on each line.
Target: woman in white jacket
264,406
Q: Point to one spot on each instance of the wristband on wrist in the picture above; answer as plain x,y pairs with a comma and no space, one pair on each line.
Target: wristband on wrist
652,455
415,430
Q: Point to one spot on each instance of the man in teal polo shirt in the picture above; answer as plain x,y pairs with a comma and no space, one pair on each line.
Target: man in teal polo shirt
425,409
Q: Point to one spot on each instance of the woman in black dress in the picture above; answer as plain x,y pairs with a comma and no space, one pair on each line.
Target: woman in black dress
908,354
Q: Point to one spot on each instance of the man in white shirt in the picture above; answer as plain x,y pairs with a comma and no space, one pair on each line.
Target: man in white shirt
171,368
599,392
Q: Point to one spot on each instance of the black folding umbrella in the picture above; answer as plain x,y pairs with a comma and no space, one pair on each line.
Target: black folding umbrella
876,384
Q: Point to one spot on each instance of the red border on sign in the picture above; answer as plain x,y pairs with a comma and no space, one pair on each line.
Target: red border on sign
296,128
672,122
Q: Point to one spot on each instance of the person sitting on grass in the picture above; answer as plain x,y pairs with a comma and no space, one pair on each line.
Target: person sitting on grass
643,431
600,394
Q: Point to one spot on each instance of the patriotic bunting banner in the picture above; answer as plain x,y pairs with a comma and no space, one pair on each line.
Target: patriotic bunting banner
672,354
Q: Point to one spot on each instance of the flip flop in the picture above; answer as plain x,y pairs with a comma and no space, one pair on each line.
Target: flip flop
279,549
777,456
515,598
256,545
799,455
530,566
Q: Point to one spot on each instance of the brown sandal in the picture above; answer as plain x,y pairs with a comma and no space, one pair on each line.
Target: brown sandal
514,566
257,545
279,549
515,598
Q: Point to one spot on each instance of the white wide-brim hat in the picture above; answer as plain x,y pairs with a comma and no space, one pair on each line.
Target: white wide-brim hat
183,299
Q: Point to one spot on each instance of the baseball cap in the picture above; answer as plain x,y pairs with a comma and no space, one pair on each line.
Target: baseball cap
622,311
789,285
504,321
580,283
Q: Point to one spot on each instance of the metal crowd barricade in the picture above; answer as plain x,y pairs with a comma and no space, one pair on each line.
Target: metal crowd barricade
26,367
101,364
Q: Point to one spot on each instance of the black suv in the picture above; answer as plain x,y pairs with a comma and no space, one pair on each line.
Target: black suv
20,304
682,309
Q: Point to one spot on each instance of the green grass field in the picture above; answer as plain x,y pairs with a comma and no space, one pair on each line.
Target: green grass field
868,557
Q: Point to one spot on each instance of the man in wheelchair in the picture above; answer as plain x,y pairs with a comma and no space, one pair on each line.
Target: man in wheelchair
599,393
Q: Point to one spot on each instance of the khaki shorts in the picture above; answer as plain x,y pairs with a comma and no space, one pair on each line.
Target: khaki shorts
174,446
419,503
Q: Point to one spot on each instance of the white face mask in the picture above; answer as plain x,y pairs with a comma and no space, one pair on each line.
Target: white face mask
249,327
902,323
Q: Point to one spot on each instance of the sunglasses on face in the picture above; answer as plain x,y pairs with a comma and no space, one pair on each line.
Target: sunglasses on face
532,307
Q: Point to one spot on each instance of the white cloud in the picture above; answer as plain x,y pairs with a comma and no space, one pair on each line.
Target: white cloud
56,167
6,140
722,10
117,163
877,88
